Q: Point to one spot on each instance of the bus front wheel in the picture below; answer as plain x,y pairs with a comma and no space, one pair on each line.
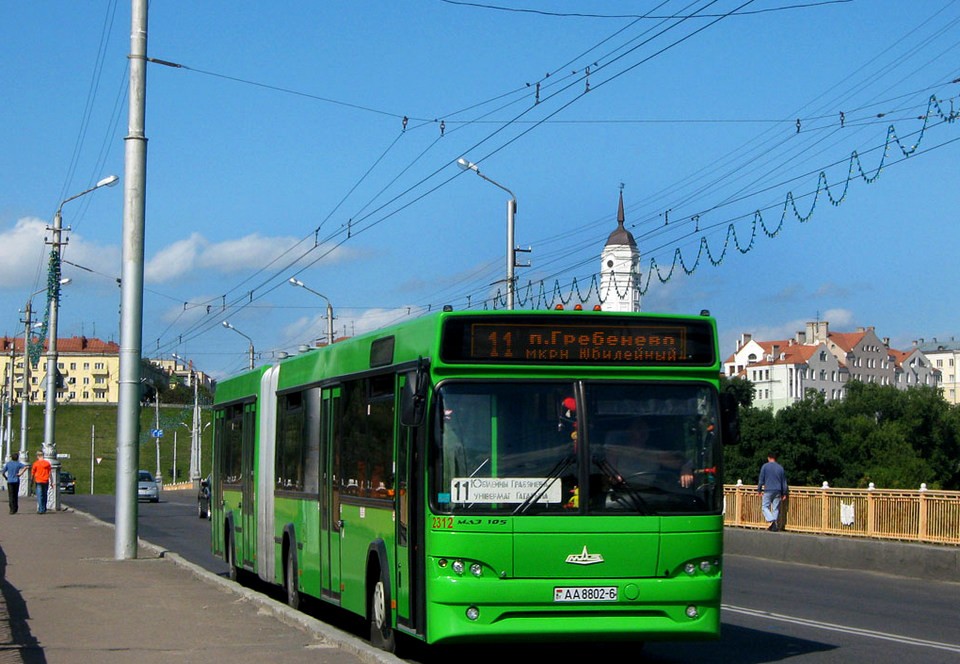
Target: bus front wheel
381,634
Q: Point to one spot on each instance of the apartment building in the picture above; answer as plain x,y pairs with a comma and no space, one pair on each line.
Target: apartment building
945,357
89,370
817,359
181,372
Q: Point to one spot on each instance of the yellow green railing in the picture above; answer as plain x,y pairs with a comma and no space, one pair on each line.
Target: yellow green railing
931,517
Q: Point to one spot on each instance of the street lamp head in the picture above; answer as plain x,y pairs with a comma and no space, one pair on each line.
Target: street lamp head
296,282
227,325
467,165
108,181
65,281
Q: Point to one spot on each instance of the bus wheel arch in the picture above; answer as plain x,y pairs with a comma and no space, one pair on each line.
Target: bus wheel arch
379,598
290,566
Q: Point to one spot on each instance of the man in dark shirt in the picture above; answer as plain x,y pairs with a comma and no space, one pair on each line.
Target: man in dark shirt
773,489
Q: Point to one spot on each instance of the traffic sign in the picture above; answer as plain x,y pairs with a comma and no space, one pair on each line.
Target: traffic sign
156,433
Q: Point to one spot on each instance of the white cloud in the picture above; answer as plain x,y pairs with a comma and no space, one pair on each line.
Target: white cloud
251,252
175,260
25,255
307,329
839,320
23,251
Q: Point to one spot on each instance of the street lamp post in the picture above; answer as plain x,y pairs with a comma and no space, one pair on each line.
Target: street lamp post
49,434
296,282
25,394
194,426
227,325
511,211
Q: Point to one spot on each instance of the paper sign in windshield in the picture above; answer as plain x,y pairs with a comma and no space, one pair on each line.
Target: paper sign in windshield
504,490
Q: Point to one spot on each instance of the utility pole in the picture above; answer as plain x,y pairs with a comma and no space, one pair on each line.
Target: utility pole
4,409
9,424
131,284
25,394
93,438
156,401
195,434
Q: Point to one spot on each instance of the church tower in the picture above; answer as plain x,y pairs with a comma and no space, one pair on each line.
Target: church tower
620,269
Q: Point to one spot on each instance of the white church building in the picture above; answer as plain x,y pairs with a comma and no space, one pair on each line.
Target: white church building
620,269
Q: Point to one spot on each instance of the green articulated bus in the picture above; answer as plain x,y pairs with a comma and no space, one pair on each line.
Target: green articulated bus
486,476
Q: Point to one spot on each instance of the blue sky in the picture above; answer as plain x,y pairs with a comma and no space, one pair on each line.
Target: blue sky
278,149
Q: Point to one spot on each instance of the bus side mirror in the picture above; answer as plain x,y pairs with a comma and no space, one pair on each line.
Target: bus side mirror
729,418
413,398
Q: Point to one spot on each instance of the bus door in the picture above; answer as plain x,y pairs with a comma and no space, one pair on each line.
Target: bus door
247,540
330,494
409,536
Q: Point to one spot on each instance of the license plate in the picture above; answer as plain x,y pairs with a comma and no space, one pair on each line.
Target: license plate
585,594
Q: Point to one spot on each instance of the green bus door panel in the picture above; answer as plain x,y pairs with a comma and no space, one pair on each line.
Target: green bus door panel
330,522
409,524
247,540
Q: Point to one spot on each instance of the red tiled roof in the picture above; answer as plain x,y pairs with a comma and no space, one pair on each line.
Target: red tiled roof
846,340
66,345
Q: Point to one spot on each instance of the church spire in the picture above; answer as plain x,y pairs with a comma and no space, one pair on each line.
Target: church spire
619,267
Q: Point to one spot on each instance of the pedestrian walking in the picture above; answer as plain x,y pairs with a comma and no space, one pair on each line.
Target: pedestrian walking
773,490
13,470
41,478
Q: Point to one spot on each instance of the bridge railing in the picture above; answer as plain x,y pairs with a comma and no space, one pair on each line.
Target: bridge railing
931,517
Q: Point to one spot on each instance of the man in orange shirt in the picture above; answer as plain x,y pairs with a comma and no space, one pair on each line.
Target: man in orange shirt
40,471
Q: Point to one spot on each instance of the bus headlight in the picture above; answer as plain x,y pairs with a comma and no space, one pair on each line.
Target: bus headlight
457,566
692,612
473,613
476,569
690,569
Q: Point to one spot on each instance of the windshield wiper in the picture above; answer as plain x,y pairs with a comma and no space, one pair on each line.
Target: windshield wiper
552,476
620,485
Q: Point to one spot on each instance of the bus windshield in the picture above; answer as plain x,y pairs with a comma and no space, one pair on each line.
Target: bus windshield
568,448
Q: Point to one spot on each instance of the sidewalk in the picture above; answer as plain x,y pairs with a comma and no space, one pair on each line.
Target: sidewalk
64,598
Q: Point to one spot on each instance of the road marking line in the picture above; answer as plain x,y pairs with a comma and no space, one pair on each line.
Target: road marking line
842,628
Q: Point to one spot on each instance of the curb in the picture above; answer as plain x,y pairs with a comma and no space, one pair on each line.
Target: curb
929,562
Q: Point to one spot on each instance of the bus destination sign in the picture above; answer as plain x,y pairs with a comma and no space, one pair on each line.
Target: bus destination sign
574,340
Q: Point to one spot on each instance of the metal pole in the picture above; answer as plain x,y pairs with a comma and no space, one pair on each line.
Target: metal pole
6,423
9,423
296,282
227,325
194,434
329,323
156,401
49,435
93,437
511,259
511,211
25,395
49,424
131,319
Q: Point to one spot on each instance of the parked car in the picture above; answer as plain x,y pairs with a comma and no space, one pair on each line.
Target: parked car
147,487
68,483
203,498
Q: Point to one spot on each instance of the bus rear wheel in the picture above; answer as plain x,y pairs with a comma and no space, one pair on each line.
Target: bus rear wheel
381,634
231,557
290,579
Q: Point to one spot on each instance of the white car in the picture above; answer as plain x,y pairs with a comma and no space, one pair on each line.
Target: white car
147,487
